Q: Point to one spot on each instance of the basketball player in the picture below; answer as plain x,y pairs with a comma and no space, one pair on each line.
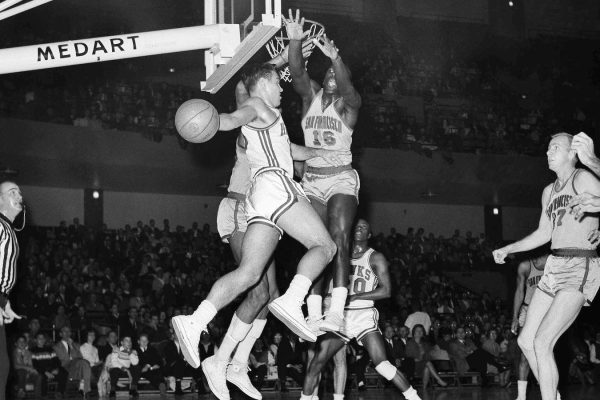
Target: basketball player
529,272
11,204
572,274
274,204
329,114
585,202
245,327
369,281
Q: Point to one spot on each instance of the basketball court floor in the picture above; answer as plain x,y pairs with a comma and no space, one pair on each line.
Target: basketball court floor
571,392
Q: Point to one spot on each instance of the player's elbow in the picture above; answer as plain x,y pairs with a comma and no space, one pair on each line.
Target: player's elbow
386,293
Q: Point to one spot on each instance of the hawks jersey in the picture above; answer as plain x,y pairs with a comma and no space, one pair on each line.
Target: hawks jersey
567,232
325,129
240,175
535,274
362,279
268,147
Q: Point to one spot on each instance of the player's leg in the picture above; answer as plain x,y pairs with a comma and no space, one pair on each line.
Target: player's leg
375,346
237,371
327,347
302,223
314,301
341,211
563,311
523,377
538,307
258,246
340,374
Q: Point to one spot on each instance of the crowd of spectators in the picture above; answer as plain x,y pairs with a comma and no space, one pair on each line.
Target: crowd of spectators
98,305
469,102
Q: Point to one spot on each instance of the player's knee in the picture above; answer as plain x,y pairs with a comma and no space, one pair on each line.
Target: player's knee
386,369
329,248
247,278
525,343
541,343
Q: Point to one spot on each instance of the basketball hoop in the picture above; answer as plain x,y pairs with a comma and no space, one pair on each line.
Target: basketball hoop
280,41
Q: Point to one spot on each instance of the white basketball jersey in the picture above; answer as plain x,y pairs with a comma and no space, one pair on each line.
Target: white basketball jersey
535,274
240,175
268,147
567,232
325,129
362,279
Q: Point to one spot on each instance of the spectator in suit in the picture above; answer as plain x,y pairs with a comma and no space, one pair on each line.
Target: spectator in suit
111,346
72,361
290,360
395,349
47,365
150,365
176,366
129,326
23,365
122,364
34,329
156,333
90,353
470,358
418,349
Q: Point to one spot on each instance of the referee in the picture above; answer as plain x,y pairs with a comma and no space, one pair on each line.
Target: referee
11,204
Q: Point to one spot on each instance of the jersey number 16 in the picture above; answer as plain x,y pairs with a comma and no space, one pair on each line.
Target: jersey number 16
328,138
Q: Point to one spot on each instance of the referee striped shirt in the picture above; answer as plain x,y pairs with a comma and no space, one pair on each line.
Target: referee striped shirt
9,253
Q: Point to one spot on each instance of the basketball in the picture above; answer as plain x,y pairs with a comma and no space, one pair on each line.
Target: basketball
197,121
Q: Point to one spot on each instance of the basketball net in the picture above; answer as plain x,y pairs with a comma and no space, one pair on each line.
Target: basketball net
280,41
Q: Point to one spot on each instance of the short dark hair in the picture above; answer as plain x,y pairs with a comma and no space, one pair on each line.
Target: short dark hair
144,335
252,73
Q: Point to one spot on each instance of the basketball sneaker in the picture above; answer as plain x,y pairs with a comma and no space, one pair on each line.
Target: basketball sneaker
216,375
289,311
237,374
315,325
333,322
188,332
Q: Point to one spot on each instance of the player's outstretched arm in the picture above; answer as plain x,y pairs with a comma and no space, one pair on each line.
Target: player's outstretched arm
384,287
584,146
539,237
522,272
352,100
249,111
300,78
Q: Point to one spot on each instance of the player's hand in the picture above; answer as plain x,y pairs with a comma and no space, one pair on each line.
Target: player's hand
306,49
327,46
594,237
584,146
333,157
500,255
8,315
583,203
294,26
514,326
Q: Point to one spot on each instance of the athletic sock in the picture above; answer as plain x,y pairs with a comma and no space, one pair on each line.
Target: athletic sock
338,396
245,347
411,394
298,288
237,331
521,390
314,303
338,300
305,396
205,313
